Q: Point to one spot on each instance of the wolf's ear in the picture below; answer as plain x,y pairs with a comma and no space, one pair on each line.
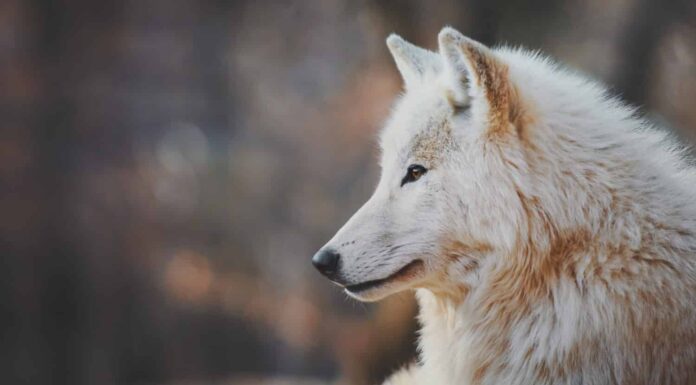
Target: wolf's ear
413,62
477,78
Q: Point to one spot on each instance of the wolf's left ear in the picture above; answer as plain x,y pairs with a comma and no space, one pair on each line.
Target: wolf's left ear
413,62
477,78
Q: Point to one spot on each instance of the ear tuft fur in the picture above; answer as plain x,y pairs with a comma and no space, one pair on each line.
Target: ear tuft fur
449,35
395,42
478,75
455,67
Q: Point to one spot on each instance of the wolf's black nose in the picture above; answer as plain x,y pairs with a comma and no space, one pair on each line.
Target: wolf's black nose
326,261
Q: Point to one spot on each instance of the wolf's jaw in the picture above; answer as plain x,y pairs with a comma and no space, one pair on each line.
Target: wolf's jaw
409,271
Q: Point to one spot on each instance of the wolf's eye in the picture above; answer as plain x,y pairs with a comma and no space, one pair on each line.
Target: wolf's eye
413,173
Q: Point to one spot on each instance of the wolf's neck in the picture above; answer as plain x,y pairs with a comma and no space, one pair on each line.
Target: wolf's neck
443,336
463,336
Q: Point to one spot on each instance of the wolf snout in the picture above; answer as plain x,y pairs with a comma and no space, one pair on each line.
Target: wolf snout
326,261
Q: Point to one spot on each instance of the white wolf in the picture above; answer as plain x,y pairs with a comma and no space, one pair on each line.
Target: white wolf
549,231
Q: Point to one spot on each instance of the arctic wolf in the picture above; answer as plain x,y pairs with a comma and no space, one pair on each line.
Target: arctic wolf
549,232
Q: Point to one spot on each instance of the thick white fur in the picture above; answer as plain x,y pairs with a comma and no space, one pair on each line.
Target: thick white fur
558,250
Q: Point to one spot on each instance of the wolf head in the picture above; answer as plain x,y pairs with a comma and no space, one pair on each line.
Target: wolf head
452,191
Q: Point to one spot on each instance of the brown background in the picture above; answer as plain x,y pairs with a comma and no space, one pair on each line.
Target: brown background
168,167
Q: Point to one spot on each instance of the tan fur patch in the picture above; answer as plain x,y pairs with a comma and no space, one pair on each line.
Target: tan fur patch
507,110
457,249
466,256
491,76
527,278
429,145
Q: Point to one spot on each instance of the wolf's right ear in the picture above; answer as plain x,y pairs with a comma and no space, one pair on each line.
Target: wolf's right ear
477,78
413,62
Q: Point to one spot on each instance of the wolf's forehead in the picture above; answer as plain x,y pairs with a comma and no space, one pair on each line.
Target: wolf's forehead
429,144
419,137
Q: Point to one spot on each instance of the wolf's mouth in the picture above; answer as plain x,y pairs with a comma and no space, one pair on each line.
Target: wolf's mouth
409,271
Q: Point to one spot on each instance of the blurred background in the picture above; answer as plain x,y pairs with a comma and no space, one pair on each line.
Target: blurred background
168,167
